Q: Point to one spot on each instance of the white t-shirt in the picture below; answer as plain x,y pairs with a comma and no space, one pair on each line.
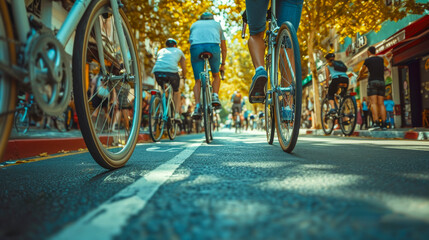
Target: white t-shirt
206,31
167,60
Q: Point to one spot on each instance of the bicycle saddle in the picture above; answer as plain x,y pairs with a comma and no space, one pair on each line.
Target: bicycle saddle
204,55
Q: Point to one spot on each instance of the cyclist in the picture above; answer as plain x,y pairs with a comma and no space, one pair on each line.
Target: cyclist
236,104
206,36
287,10
333,79
166,68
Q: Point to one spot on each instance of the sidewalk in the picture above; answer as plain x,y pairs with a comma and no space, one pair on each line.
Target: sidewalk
43,142
397,133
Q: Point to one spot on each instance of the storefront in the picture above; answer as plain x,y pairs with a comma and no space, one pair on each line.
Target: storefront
410,55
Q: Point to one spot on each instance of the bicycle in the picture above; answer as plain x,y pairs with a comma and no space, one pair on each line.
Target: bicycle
283,98
206,96
162,111
37,60
346,113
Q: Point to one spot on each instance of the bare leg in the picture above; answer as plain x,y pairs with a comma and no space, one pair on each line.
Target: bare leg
197,89
381,107
216,82
374,108
257,49
176,99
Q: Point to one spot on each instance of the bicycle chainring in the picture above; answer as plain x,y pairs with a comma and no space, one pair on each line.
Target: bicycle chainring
49,74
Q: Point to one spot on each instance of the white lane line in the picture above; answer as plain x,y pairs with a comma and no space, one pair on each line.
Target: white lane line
109,218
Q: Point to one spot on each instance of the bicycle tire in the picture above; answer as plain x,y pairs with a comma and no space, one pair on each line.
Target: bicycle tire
172,125
7,85
287,129
156,124
206,112
110,148
328,121
348,116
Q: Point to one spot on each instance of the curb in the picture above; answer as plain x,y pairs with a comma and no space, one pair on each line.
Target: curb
389,134
25,148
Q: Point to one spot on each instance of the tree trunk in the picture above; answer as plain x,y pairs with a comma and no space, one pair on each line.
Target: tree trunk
315,81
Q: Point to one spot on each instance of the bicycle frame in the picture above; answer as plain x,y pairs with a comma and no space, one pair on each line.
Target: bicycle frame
165,102
206,81
22,25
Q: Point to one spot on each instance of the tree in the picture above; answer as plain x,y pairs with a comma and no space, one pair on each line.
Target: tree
347,18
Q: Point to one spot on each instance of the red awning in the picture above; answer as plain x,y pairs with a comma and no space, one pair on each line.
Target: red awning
403,36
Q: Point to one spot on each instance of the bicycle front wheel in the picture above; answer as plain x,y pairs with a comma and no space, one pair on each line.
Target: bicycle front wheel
348,116
7,84
156,124
172,125
328,120
107,93
206,109
288,90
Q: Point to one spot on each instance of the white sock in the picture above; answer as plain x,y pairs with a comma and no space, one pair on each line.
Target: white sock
258,68
215,94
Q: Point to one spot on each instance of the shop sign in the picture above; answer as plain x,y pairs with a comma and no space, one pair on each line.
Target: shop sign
354,48
390,42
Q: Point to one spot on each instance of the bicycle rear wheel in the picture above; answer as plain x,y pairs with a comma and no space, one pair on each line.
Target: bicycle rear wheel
22,121
269,116
156,124
287,95
348,116
114,92
206,109
328,120
7,84
172,125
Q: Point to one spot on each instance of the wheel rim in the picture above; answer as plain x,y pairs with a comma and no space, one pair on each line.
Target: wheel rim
287,103
348,115
112,129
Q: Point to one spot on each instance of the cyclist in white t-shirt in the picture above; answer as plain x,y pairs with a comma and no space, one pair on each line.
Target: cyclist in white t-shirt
207,36
166,69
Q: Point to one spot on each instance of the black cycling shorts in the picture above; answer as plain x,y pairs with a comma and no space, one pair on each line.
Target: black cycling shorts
168,77
236,108
333,87
376,87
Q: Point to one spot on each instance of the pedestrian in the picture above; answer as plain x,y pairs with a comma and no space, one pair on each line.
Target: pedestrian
389,104
376,88
365,111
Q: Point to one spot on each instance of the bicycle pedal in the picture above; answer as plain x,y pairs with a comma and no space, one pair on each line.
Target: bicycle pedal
257,99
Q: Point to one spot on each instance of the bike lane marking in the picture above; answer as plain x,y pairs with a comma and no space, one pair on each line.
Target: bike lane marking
107,220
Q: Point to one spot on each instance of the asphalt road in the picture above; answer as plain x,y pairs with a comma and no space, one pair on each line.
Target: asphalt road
238,187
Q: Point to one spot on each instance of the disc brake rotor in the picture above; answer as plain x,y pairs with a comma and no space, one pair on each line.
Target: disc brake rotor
50,74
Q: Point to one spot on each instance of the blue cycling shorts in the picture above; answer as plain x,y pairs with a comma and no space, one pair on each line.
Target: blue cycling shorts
198,63
286,10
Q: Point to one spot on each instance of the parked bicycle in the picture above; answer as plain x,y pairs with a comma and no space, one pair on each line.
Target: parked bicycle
162,112
36,60
346,114
283,97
